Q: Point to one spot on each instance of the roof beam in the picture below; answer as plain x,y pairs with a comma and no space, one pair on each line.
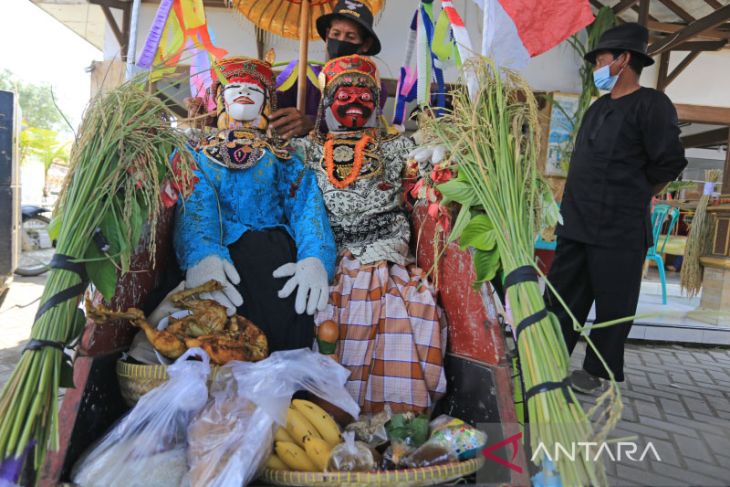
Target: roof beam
681,66
716,18
678,11
713,3
667,28
644,12
113,24
703,114
705,139
662,82
623,5
701,45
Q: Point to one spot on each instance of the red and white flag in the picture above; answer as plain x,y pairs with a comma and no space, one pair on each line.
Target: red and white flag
516,30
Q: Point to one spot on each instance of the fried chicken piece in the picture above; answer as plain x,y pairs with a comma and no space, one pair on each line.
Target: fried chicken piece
241,341
207,316
164,342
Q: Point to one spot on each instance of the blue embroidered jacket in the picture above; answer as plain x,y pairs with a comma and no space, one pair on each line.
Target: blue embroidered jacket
273,193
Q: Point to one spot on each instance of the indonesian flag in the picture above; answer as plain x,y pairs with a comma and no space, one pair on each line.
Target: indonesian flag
516,30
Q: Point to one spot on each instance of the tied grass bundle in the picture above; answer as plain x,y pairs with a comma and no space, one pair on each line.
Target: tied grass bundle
699,239
504,202
119,161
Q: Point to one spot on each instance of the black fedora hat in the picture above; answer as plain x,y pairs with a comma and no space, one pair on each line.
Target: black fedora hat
630,37
355,11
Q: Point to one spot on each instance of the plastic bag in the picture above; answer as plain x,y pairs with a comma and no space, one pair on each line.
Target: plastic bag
462,439
408,428
371,429
442,421
148,447
352,456
232,437
394,455
428,455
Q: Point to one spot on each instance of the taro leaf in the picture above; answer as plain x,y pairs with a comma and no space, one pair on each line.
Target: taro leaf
479,233
137,222
458,191
462,220
486,264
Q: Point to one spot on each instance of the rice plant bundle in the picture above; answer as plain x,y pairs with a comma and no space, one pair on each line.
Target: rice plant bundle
119,163
699,239
493,139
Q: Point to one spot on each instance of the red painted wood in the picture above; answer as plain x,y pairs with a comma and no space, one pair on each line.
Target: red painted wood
472,332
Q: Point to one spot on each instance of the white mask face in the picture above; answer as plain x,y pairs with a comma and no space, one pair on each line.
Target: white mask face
244,101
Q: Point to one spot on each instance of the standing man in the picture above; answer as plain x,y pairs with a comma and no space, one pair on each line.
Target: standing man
347,30
627,150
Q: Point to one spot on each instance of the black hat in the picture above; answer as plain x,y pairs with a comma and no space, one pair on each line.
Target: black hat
355,11
630,37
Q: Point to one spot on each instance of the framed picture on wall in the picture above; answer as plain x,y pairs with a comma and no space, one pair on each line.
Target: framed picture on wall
562,113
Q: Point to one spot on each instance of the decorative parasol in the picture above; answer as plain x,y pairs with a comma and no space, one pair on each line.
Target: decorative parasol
294,19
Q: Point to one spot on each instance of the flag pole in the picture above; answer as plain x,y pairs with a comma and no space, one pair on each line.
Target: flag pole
305,20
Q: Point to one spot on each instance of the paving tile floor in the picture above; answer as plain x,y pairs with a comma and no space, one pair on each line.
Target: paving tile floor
678,398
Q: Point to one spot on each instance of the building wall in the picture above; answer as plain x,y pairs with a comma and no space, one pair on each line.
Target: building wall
555,70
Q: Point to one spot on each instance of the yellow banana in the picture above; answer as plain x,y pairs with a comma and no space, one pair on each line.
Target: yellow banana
320,419
275,463
299,428
294,457
318,450
282,435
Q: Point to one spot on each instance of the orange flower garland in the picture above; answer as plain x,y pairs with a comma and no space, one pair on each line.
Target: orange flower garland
356,164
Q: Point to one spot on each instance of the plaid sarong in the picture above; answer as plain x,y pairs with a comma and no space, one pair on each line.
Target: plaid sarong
392,337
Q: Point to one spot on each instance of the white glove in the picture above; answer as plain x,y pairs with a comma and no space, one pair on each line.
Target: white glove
213,267
310,276
434,153
165,308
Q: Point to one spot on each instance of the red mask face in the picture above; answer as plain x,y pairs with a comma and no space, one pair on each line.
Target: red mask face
353,106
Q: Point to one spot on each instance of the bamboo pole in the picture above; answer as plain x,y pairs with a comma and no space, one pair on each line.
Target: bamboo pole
305,19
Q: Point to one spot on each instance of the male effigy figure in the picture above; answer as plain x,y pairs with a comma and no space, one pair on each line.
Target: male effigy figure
391,337
255,215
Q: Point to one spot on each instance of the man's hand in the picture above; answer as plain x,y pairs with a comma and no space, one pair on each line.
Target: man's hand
290,122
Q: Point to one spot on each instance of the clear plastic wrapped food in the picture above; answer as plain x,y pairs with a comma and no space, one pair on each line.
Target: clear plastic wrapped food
233,436
409,428
148,447
394,455
428,455
371,429
462,439
353,456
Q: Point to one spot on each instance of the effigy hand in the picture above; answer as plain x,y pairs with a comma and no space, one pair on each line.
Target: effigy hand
433,153
310,277
213,267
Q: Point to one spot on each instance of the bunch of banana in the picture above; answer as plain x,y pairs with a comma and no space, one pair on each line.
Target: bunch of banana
305,444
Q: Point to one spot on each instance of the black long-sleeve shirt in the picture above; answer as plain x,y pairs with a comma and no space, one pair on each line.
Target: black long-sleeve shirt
624,148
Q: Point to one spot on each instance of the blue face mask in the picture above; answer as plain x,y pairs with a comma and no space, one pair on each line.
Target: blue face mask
603,79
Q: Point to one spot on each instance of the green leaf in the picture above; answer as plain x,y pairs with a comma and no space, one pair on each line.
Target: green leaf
462,220
101,271
137,222
486,263
479,233
54,228
458,191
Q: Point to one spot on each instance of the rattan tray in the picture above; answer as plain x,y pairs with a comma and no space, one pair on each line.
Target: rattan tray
391,478
136,380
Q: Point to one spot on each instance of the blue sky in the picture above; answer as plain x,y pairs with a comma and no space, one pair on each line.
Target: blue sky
38,48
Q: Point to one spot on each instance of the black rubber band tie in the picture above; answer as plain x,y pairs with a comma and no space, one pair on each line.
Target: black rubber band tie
66,263
564,385
37,344
530,320
522,274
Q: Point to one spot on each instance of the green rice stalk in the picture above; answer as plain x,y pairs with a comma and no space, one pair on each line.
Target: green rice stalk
698,241
118,164
494,139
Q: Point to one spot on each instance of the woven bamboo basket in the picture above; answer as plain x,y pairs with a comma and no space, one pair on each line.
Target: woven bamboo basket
136,380
413,477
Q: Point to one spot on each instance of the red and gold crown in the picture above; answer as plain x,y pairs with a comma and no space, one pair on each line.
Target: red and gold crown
347,70
242,69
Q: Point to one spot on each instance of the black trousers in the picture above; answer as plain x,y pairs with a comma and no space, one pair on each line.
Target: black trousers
611,277
256,255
